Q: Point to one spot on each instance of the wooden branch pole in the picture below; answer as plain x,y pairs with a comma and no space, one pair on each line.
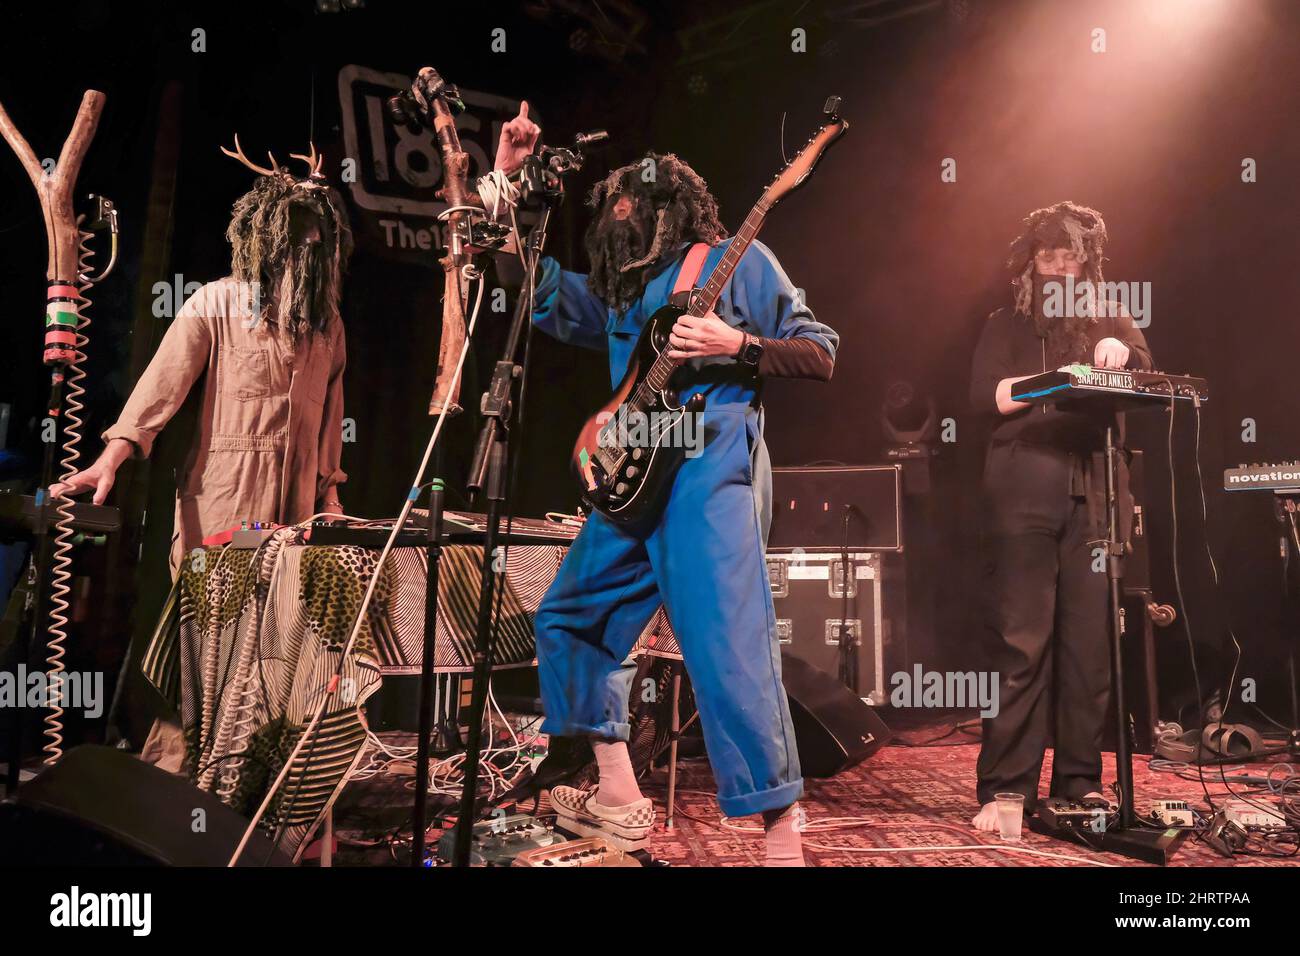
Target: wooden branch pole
54,189
456,193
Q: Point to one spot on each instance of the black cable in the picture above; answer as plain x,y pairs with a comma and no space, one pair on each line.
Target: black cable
1214,571
934,741
848,646
1178,588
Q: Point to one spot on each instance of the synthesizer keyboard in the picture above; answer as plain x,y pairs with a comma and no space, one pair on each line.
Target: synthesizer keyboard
1123,388
1282,478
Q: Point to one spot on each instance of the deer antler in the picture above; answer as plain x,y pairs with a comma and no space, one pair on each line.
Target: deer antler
314,162
239,155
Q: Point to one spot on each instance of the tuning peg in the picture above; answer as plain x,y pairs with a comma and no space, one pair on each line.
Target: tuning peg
832,105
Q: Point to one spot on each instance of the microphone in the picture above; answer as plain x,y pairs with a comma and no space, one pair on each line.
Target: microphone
566,159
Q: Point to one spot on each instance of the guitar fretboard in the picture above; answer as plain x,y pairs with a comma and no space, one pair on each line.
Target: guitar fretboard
657,377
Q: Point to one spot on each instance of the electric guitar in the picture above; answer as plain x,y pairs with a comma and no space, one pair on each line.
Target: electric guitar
627,453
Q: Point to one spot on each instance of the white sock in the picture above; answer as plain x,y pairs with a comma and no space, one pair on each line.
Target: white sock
618,785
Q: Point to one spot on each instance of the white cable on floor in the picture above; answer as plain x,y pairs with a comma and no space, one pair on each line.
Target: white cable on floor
988,847
850,823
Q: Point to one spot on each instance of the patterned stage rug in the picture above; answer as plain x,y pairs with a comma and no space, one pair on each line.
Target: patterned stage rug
910,797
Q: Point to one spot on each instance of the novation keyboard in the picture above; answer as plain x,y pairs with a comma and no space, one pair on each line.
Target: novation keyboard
1282,478
1123,388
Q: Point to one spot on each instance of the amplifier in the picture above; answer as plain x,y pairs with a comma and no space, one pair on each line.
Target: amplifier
814,508
808,592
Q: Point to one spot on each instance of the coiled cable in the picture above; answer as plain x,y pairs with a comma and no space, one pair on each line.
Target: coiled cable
61,555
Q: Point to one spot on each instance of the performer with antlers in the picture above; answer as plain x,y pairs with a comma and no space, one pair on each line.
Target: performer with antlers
268,342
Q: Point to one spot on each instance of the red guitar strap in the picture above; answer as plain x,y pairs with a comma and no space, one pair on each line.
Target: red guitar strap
692,266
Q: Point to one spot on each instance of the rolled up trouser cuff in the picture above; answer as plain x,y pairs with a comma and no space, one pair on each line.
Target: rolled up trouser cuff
775,798
609,730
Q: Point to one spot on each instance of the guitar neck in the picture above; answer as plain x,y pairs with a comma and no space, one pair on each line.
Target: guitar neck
708,296
704,300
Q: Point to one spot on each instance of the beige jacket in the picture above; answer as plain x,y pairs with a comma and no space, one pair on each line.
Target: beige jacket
270,430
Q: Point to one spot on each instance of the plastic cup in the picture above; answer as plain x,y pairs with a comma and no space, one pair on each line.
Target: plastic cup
1011,813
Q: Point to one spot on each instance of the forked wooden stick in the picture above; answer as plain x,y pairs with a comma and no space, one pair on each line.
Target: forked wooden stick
55,188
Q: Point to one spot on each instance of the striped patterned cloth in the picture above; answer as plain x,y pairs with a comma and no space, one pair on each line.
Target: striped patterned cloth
251,639
530,569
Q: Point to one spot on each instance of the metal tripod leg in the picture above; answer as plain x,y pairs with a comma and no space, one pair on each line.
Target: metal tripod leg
675,727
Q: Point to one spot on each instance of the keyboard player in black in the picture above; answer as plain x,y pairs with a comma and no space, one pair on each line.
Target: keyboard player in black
1044,487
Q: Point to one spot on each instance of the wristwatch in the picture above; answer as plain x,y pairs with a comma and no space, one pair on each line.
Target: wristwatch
751,350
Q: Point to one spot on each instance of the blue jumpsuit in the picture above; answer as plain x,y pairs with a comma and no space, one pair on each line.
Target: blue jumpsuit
703,559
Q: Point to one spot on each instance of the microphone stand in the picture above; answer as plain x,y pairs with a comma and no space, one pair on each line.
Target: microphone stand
487,473
433,554
1129,836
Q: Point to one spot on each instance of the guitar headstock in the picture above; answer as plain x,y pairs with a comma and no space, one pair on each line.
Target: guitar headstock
798,169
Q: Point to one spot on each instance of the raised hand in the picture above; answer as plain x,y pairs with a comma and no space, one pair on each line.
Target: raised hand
518,139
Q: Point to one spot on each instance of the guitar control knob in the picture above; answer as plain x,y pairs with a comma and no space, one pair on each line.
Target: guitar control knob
632,471
637,453
620,488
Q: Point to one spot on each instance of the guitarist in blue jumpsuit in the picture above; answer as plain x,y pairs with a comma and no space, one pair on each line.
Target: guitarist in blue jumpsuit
702,557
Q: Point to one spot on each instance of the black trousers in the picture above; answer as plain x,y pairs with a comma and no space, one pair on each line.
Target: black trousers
1046,612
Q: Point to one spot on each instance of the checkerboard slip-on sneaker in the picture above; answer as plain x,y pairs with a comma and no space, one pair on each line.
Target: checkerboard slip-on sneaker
627,827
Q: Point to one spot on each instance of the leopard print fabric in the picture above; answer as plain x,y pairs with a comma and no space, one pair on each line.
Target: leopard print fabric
334,582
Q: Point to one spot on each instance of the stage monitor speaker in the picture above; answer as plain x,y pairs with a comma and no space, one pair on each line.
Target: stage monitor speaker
834,729
100,806
808,508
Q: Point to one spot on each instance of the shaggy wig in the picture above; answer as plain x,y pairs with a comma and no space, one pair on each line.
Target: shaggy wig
1065,225
308,280
671,205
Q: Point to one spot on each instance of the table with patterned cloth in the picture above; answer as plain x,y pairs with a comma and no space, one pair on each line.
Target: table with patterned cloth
250,640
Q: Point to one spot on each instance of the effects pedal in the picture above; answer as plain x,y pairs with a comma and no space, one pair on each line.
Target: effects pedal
1172,813
498,842
1254,813
1087,814
593,851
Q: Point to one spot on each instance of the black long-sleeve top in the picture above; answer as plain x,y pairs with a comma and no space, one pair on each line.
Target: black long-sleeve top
1010,347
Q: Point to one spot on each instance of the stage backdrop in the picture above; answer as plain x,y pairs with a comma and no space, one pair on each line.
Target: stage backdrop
1176,123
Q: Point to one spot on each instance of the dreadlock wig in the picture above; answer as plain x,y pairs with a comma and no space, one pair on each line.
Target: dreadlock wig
1065,225
268,253
670,205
